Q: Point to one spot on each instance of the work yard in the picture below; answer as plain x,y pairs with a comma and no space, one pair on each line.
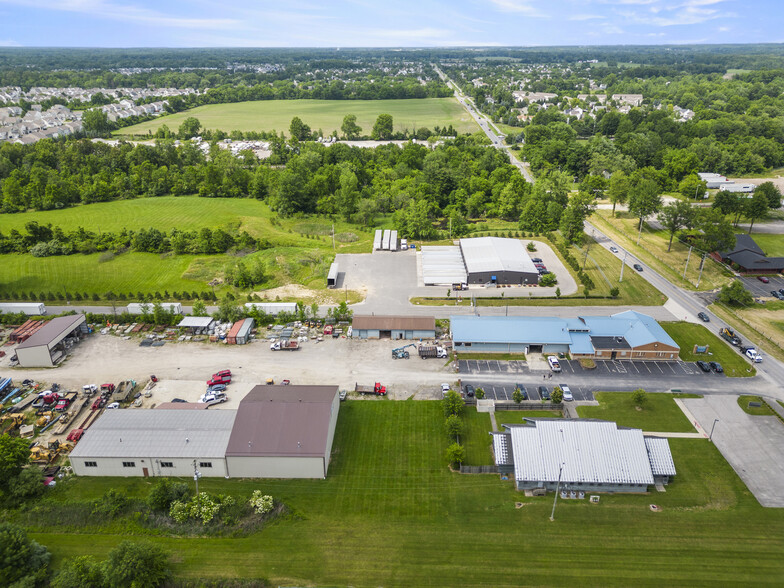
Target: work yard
390,513
327,115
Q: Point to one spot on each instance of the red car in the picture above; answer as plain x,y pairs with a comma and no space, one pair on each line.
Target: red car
763,279
222,374
219,380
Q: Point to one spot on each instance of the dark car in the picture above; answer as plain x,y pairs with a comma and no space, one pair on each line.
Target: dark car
776,295
703,365
703,317
763,279
523,390
179,400
544,392
716,367
469,390
638,267
781,291
536,259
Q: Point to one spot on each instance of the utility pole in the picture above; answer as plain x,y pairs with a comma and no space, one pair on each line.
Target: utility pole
196,476
710,438
623,265
557,489
702,265
687,261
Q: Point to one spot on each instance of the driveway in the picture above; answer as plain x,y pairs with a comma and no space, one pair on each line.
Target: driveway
753,445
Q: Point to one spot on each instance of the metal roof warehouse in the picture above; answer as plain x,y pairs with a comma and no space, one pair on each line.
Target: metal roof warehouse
48,345
624,335
393,327
498,260
585,455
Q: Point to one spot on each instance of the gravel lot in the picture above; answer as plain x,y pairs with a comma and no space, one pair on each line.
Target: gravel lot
183,368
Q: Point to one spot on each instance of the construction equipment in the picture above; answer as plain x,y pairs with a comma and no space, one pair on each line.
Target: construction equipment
376,389
284,346
40,454
44,418
10,421
56,419
401,353
729,335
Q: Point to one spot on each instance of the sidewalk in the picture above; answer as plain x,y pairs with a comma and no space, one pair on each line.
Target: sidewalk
700,431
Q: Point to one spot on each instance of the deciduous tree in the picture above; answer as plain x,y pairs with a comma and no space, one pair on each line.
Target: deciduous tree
756,207
350,128
383,128
675,217
135,565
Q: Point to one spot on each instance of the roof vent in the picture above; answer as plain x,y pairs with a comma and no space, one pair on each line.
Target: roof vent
187,440
299,445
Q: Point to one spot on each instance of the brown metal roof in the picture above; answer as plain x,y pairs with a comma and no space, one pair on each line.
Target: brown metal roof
182,406
52,330
397,323
283,421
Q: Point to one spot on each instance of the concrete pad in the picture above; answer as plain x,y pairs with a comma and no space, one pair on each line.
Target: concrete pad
753,445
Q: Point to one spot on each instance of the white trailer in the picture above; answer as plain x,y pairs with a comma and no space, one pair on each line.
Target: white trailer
273,308
377,240
393,241
29,308
138,307
387,238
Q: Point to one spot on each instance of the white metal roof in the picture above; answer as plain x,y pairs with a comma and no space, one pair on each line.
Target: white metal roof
660,456
273,307
501,448
377,240
495,254
158,433
196,321
590,451
443,266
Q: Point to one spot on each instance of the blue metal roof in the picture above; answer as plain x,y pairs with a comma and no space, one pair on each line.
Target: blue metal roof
645,330
510,329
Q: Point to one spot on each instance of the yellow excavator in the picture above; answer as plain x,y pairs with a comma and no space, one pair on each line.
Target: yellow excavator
10,421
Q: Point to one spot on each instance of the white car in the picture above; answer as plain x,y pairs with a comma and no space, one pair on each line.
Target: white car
614,249
753,355
567,393
444,388
112,405
213,398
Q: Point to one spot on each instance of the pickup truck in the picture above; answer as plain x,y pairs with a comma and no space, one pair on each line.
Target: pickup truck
285,346
752,354
376,389
65,401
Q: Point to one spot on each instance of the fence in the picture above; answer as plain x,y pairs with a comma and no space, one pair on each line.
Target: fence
464,469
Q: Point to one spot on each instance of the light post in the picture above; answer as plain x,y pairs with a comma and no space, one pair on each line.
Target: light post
557,489
196,476
623,265
710,438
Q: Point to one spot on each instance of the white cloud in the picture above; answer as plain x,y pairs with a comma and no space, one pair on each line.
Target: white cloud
126,13
9,43
581,17
517,6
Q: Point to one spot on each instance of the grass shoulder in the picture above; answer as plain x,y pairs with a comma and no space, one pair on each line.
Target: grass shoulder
687,335
745,402
658,413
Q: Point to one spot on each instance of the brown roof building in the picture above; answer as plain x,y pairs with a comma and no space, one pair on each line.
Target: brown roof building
393,327
284,432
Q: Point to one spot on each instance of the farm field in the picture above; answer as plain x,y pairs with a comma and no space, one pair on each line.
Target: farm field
327,115
687,335
391,513
659,412
653,251
301,248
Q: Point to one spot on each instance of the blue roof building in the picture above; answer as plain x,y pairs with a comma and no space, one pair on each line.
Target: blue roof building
625,335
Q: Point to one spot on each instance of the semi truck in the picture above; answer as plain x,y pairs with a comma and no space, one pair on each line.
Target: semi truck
29,308
284,345
376,389
138,307
426,352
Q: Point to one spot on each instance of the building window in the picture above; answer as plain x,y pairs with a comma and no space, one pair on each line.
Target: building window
91,464
466,345
599,353
205,464
129,464
167,464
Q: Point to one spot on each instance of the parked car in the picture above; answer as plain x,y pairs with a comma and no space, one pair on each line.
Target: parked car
343,394
213,398
567,393
703,365
776,295
444,388
703,317
554,364
113,405
763,279
179,400
716,367
536,259
614,249
544,392
219,380
523,390
217,388
222,373
781,291
638,267
469,390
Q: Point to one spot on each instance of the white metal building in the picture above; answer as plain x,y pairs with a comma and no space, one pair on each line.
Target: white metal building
497,260
49,344
273,308
586,455
155,443
284,432
443,266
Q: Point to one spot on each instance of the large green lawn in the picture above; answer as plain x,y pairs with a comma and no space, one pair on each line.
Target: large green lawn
687,335
327,115
302,248
391,514
772,245
659,413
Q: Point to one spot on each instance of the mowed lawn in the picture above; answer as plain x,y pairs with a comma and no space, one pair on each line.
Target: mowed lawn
687,335
659,412
391,514
327,115
772,245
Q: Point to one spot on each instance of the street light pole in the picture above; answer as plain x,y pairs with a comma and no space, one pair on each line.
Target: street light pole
710,438
557,489
196,476
623,265
702,264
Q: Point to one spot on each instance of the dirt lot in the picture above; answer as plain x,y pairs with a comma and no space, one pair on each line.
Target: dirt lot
183,368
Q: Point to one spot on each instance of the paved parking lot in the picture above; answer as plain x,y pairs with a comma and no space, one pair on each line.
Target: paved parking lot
760,290
503,392
753,445
604,368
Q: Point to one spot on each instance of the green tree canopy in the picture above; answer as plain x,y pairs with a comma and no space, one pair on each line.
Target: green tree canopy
756,207
771,192
95,123
618,189
299,130
190,127
453,425
644,198
453,404
675,217
350,128
383,128
82,572
14,454
20,556
136,565
455,453
735,294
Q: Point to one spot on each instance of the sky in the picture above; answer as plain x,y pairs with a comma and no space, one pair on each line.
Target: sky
386,23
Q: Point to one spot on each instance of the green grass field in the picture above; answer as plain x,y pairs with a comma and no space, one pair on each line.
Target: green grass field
764,410
687,335
391,514
327,115
659,412
772,245
301,253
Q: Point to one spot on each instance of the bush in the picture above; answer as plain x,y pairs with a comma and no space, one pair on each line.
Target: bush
261,503
479,393
548,280
639,397
136,564
165,492
201,507
455,453
453,426
110,504
557,396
